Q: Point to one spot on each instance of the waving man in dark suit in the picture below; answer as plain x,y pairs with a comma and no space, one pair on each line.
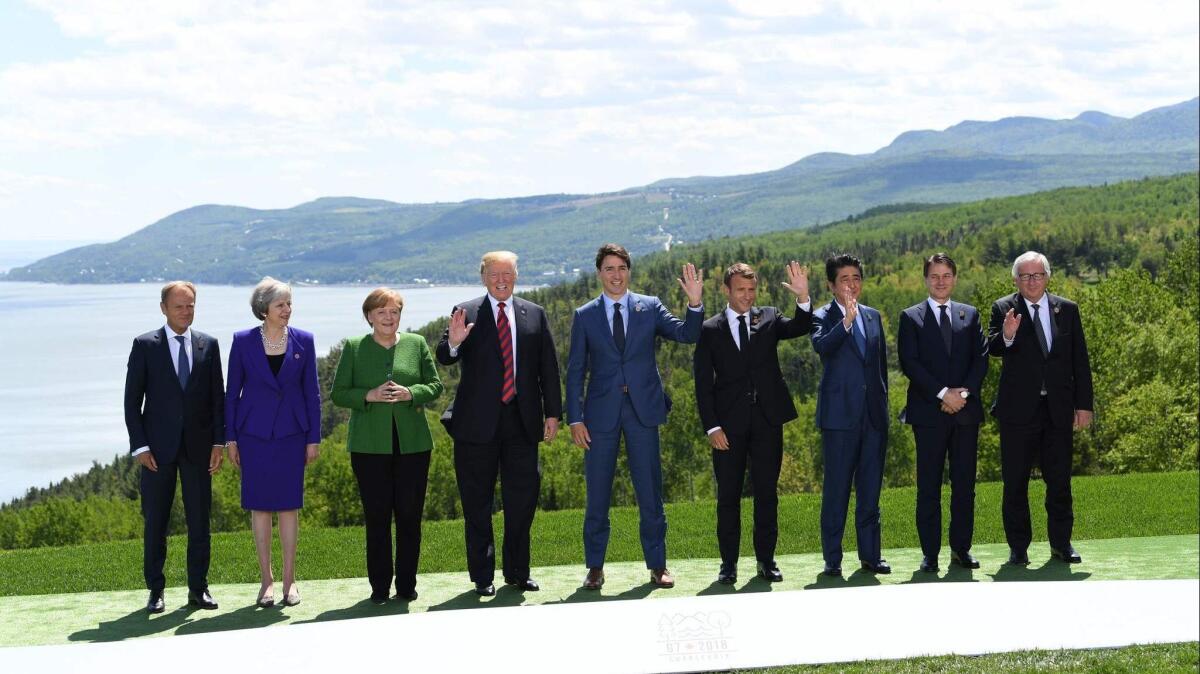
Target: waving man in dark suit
743,404
944,356
174,412
508,400
1045,392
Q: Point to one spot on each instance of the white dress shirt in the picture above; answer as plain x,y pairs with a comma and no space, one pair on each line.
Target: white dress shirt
173,345
512,326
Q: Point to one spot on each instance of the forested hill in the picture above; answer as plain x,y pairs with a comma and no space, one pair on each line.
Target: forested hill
1127,253
351,240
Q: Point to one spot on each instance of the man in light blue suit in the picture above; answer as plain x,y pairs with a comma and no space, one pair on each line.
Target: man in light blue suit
852,413
612,346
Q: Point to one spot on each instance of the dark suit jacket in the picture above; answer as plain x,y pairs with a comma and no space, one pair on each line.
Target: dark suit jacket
162,414
264,405
1066,370
728,380
853,388
475,412
595,354
929,368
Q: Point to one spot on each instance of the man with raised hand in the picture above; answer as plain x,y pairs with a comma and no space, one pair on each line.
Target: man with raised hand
508,400
944,355
1045,393
613,348
743,404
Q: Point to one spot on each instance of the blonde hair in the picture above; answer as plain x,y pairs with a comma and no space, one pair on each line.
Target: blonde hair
381,297
497,256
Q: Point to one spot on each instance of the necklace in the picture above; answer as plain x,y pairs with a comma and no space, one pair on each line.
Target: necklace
268,344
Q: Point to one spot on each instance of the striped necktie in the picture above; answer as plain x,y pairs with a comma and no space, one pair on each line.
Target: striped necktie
508,390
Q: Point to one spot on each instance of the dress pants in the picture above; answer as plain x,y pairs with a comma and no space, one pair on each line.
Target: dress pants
761,445
645,469
960,443
392,486
476,465
857,456
1051,446
158,496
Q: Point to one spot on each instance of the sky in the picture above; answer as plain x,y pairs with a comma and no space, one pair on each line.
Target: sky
115,114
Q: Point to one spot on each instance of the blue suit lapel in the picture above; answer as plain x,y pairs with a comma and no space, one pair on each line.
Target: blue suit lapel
600,323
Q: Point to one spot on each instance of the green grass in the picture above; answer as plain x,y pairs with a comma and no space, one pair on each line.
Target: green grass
1158,658
1107,507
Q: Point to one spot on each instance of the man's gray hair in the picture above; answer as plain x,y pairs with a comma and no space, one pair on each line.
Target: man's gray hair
1031,256
266,293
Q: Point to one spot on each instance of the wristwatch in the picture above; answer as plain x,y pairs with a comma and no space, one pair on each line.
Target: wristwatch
964,393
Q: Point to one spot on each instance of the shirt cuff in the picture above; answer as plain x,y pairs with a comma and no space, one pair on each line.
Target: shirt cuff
1009,342
140,450
575,423
712,430
805,306
699,308
453,350
942,392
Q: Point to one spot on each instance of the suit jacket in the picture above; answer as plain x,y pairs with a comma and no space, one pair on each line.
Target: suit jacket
853,388
594,352
166,416
363,366
1065,371
929,368
477,401
727,380
264,405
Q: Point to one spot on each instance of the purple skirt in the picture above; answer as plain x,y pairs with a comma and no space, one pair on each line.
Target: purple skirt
272,472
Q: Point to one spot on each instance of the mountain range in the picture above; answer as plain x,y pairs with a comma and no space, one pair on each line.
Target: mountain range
353,240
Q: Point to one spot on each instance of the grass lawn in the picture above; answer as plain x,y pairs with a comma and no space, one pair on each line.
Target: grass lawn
1107,507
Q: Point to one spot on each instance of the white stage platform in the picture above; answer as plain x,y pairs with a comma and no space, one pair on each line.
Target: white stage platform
677,635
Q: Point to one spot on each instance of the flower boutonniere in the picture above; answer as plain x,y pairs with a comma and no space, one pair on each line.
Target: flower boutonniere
637,306
962,314
1057,308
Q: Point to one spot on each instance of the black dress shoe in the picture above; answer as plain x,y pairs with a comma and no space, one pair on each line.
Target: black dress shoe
832,570
379,597
594,579
527,585
770,572
411,595
485,589
1018,558
878,567
964,559
1067,555
728,574
155,603
929,564
201,599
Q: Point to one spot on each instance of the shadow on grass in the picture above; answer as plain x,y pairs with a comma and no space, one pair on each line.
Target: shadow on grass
1051,570
506,595
363,609
239,619
860,578
954,574
581,595
135,624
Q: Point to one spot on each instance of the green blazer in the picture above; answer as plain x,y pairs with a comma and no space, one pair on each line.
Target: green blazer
363,366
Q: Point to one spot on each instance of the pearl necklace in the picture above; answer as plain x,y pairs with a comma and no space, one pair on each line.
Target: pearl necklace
268,344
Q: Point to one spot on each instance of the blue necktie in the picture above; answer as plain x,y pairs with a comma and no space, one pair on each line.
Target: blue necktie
860,340
184,368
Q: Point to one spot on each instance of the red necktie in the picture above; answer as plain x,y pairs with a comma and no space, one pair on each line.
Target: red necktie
509,390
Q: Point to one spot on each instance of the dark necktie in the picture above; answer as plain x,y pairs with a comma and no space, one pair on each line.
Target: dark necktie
618,327
860,340
1037,327
184,368
743,335
944,324
508,390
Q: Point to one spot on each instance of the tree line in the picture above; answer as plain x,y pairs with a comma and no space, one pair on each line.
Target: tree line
1127,253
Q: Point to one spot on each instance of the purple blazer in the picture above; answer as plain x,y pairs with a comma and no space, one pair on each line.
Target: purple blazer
260,404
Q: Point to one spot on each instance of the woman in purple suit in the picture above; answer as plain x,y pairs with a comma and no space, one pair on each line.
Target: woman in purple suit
273,426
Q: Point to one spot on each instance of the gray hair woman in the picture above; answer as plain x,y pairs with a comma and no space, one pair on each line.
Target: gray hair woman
273,426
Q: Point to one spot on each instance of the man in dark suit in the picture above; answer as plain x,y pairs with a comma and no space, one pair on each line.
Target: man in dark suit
944,355
174,411
852,413
508,400
613,341
743,404
1045,392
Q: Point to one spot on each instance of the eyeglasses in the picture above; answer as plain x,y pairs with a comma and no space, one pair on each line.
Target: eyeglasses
1026,278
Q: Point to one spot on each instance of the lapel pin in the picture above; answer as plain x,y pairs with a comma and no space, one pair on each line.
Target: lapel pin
296,356
962,314
1057,308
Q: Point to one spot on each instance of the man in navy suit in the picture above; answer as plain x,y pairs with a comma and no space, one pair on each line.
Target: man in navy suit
852,413
944,355
612,346
174,412
1045,393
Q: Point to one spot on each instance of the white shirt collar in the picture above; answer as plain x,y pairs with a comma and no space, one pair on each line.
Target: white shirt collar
623,301
1041,301
732,315
933,304
496,303
171,333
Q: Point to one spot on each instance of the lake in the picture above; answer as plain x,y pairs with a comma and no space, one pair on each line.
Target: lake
63,350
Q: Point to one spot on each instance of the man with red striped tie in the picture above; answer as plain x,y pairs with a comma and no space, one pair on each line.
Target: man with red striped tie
508,400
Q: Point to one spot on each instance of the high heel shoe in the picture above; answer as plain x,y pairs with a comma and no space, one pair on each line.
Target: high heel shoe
292,598
266,597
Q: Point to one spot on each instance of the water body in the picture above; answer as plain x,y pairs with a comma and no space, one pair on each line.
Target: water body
63,350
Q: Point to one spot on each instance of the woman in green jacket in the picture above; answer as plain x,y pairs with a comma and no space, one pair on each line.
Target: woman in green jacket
386,378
